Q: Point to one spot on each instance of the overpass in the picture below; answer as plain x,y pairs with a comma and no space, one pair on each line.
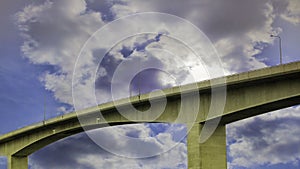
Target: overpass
248,94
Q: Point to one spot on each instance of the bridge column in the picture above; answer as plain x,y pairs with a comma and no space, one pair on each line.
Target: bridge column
210,154
17,162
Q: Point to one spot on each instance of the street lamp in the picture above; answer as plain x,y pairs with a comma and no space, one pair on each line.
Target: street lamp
276,36
138,80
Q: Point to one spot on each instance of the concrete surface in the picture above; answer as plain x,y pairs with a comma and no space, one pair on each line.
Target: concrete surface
248,94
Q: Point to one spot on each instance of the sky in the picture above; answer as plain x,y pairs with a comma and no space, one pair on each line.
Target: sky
49,63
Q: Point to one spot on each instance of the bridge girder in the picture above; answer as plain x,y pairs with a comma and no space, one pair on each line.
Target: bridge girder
248,94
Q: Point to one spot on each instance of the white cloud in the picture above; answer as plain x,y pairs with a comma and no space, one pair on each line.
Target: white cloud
292,13
80,151
57,42
137,141
235,27
268,139
167,161
237,44
172,159
54,33
123,10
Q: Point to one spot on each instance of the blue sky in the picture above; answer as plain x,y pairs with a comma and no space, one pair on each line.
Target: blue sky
40,41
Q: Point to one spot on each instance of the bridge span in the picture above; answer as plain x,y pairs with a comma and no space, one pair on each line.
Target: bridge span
247,94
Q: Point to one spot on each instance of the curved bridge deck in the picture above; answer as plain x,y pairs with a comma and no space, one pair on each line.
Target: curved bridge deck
247,94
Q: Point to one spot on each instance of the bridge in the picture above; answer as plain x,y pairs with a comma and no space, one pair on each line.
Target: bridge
247,94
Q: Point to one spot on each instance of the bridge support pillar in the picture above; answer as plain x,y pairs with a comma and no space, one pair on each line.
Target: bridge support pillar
17,162
210,154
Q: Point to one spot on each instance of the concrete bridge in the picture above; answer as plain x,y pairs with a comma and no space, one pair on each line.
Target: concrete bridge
248,94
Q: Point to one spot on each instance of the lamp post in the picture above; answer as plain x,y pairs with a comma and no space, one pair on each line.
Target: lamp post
280,48
44,108
138,80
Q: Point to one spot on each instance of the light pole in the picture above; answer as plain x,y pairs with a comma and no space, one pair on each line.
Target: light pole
138,79
44,108
280,48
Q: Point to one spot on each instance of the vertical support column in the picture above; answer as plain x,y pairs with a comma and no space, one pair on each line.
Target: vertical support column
210,154
193,147
17,162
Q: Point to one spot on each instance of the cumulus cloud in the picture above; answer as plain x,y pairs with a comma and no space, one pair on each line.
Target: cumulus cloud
104,7
268,139
81,151
54,33
292,12
148,58
237,28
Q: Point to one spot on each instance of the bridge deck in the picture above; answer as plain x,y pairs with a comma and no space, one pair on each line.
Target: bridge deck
246,94
235,80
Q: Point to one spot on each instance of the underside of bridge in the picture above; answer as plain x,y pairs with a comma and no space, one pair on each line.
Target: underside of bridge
248,94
